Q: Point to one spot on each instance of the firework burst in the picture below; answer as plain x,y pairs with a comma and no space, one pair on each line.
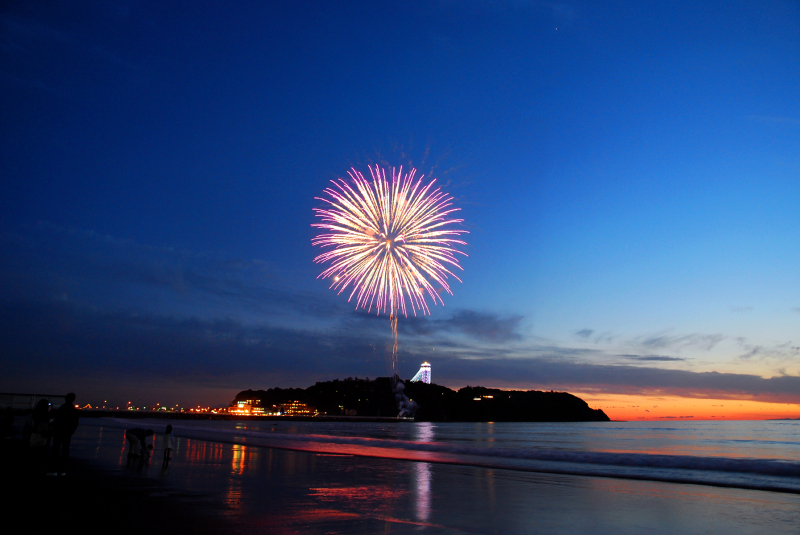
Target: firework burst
391,241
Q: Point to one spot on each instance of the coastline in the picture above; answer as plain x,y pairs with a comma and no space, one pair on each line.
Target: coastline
170,415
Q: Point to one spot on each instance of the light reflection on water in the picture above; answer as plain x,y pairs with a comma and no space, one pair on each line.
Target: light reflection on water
764,439
423,475
320,493
238,461
587,449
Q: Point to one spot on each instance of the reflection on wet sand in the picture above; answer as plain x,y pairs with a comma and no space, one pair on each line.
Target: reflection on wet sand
239,464
283,491
374,496
240,458
201,451
426,432
422,475
490,483
123,442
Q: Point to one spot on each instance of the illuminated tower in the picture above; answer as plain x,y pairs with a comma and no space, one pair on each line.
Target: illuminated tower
424,374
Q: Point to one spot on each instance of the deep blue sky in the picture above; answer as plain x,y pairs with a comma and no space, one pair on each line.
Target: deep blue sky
629,173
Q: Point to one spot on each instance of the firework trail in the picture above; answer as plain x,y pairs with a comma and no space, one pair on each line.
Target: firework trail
391,242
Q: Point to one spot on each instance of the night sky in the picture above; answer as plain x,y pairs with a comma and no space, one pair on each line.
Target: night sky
628,172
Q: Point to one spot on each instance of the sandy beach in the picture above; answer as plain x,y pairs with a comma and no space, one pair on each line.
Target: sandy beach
213,487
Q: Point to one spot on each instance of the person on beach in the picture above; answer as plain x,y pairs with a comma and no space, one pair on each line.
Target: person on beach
27,429
134,445
40,434
169,443
41,424
137,441
8,423
64,425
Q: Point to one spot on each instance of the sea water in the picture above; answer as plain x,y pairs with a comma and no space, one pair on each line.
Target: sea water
761,455
611,477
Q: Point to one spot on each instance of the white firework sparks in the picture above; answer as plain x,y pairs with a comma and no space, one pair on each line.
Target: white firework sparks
390,240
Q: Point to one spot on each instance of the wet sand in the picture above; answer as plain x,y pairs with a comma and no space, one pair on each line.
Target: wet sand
233,488
92,500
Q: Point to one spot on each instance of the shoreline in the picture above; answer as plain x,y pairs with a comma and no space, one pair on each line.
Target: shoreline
169,415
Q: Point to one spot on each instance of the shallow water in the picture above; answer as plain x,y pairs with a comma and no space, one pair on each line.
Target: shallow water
749,455
275,489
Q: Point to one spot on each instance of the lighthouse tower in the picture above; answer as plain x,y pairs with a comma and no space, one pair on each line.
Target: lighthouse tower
424,374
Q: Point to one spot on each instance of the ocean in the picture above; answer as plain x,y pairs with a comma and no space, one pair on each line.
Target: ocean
603,477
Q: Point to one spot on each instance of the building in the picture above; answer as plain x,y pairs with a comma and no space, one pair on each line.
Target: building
253,407
248,407
424,374
296,408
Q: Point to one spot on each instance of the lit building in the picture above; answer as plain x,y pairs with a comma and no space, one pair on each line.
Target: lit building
253,407
296,408
424,374
248,407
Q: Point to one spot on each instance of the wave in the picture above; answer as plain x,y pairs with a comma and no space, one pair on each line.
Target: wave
762,474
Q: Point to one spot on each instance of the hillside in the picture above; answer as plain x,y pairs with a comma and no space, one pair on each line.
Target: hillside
436,403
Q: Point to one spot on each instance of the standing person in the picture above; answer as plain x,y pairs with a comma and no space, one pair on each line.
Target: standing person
8,423
41,424
64,425
40,434
27,429
169,443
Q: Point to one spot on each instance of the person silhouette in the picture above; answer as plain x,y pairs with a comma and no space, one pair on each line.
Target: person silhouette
169,444
39,434
8,424
137,441
64,425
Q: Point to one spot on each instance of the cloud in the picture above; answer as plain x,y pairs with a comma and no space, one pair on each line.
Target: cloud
483,326
590,336
486,326
654,341
556,374
584,333
777,352
62,343
752,352
66,340
113,315
99,270
662,341
796,309
652,358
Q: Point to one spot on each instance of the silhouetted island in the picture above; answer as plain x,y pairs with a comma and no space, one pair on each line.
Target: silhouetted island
436,403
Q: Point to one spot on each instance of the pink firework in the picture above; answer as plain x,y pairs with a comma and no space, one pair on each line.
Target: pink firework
390,241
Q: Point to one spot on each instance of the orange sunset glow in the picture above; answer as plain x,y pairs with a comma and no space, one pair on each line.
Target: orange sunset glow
655,407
